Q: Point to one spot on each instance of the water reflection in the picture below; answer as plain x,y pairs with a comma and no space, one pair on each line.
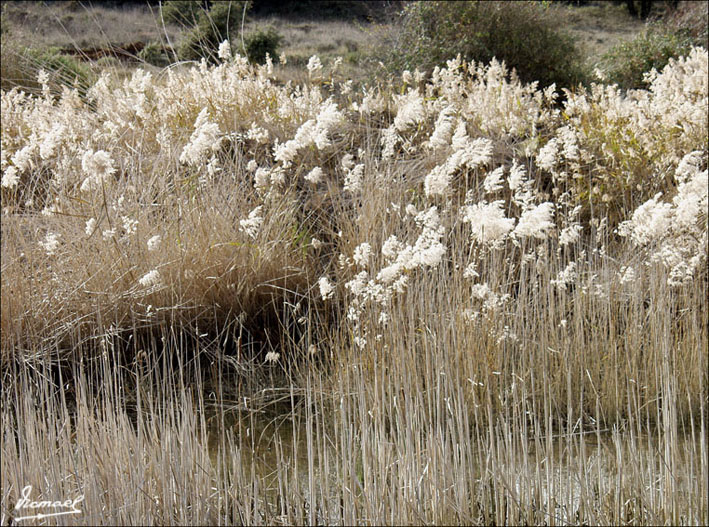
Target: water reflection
556,478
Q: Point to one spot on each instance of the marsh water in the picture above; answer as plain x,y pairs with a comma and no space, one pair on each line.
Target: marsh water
560,475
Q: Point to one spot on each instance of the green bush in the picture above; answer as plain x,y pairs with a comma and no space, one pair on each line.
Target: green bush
182,12
220,23
154,53
626,63
62,69
21,66
260,42
524,35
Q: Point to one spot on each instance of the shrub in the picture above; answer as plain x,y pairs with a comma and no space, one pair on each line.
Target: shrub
154,53
220,23
63,69
20,67
182,12
626,63
523,35
691,17
260,42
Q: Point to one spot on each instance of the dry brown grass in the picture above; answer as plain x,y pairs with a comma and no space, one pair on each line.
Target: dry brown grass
328,39
69,24
399,436
597,26
580,404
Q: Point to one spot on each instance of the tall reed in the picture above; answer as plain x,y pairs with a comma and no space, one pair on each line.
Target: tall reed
444,301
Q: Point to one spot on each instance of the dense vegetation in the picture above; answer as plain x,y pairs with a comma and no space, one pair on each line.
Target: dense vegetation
450,296
525,35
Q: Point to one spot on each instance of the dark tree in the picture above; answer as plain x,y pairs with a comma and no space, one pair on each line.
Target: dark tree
645,6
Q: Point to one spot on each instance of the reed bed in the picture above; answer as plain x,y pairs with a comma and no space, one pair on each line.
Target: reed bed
450,299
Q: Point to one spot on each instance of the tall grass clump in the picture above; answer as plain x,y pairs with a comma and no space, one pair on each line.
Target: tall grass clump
448,299
525,35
